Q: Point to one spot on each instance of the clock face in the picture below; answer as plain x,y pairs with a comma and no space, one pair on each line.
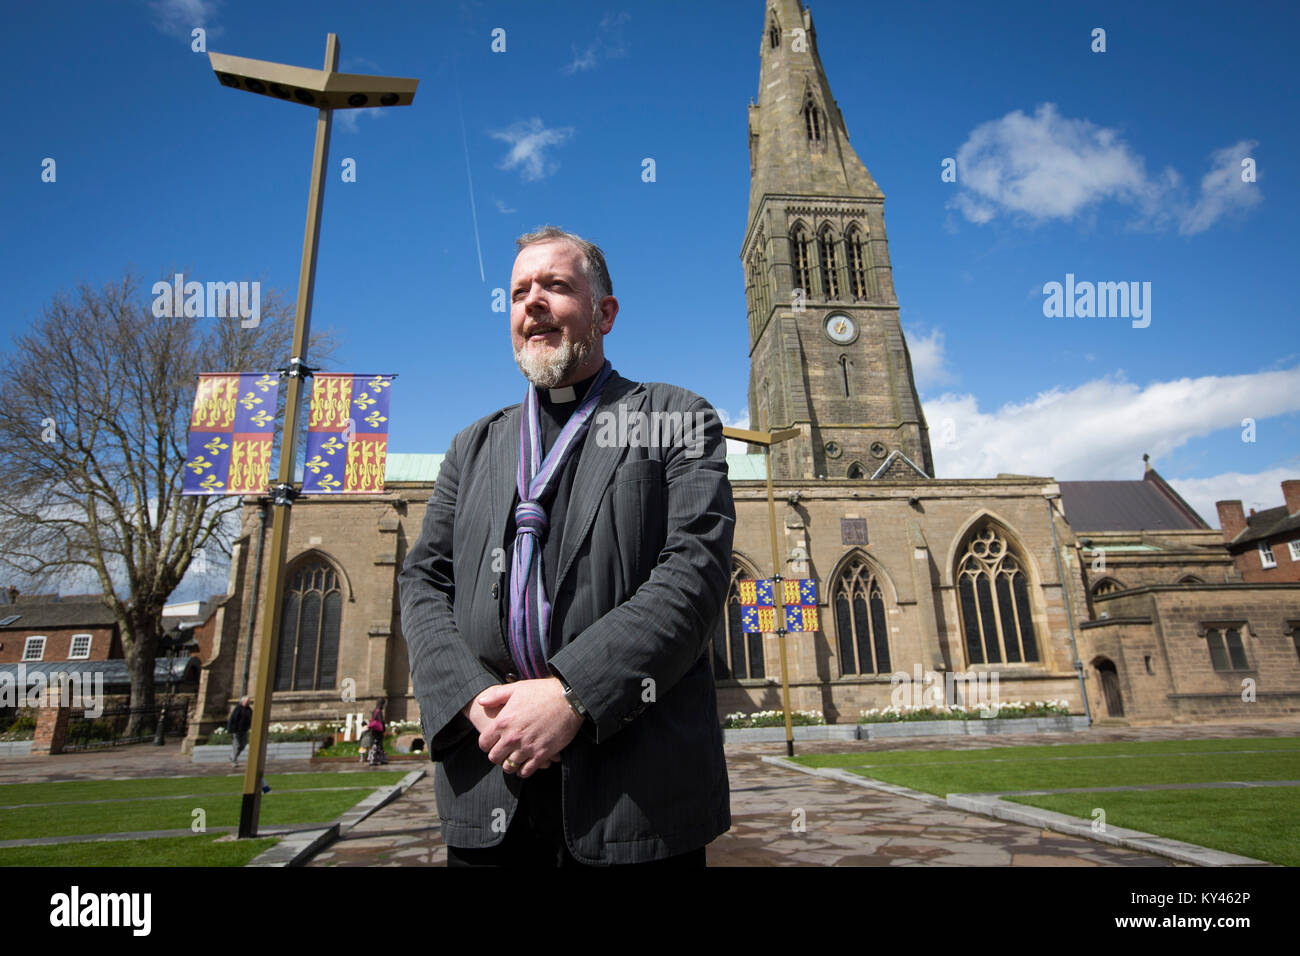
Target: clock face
841,329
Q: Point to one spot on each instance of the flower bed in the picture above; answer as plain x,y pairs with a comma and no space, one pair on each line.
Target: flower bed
1007,711
773,718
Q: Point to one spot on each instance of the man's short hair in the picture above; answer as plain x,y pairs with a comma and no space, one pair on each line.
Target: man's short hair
593,259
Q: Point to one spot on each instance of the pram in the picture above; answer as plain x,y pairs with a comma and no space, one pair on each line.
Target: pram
371,745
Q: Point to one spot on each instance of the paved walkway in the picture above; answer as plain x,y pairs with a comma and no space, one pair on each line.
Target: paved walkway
843,824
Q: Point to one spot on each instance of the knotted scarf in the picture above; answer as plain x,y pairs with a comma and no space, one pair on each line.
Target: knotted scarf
530,610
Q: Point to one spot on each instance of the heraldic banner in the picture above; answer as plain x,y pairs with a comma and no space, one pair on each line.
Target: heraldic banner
347,435
758,605
231,429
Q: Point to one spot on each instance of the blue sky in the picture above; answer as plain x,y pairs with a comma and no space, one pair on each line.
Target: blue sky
1114,166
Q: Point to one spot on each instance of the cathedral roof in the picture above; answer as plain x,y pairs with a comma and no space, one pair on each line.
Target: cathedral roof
1146,505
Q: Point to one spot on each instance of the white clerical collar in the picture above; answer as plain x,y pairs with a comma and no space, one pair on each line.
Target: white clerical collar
566,394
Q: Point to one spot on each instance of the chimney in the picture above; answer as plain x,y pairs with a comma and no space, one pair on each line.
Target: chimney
1231,518
1291,495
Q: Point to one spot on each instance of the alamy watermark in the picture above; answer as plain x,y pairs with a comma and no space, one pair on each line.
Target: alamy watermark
640,429
215,300
1086,300
59,689
917,691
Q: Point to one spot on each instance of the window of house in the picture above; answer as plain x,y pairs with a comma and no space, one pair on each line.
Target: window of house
80,647
1266,555
1294,547
34,649
1227,653
1293,628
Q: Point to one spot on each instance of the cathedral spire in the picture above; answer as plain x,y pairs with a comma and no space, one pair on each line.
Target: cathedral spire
797,137
827,353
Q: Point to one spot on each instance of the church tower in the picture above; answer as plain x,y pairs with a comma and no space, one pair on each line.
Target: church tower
827,354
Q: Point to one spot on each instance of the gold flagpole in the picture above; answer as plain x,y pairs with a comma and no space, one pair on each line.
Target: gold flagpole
767,439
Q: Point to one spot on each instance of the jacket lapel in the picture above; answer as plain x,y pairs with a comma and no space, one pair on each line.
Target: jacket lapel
595,468
502,474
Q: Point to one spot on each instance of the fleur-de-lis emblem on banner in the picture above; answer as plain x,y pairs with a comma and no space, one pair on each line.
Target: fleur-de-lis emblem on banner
215,447
261,419
364,401
199,464
374,418
333,445
264,383
210,483
330,483
379,382
315,464
249,400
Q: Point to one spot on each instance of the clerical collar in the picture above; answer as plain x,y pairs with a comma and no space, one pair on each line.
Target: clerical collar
568,394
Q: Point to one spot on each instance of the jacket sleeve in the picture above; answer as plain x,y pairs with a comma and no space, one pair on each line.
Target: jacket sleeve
445,674
658,634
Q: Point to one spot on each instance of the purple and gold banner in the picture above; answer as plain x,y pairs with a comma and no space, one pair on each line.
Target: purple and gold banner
758,605
231,429
347,435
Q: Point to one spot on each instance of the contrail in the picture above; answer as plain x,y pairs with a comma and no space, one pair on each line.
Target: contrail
468,175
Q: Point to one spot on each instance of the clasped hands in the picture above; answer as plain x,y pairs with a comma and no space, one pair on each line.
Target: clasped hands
524,725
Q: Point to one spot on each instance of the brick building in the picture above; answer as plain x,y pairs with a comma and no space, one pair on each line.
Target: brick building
1265,546
1115,596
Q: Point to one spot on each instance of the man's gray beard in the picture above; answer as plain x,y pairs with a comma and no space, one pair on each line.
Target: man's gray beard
550,372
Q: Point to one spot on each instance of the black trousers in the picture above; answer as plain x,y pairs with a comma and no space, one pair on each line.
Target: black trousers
535,837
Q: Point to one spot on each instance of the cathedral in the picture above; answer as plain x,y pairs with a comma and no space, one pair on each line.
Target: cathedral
1114,596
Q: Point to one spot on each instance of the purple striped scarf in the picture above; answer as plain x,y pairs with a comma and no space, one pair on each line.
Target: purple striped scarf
530,610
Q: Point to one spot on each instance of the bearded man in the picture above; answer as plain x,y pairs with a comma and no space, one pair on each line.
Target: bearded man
558,604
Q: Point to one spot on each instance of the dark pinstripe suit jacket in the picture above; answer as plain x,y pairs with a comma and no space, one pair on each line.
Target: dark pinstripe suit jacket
645,562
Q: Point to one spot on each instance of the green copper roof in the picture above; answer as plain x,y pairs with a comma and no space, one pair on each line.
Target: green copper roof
410,467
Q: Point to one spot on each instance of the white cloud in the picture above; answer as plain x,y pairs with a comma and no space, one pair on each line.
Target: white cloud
1259,491
734,447
529,140
608,44
1222,190
348,121
179,17
1047,166
503,208
929,362
1099,430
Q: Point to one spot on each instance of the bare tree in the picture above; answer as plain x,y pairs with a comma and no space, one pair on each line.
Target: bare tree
93,424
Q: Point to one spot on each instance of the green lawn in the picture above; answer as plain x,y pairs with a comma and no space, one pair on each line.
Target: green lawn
14,794
201,850
1259,823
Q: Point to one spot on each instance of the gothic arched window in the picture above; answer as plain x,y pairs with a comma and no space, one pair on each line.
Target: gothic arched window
773,34
860,629
736,655
993,594
814,120
826,263
308,654
801,259
1106,586
758,279
856,249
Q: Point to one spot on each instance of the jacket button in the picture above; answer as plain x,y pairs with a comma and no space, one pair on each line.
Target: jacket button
511,678
496,589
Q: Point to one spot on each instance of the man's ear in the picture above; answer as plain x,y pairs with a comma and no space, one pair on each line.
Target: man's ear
608,310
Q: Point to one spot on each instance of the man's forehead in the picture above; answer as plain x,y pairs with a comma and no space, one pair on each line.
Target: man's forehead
553,256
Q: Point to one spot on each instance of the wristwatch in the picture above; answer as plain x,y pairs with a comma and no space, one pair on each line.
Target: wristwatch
572,698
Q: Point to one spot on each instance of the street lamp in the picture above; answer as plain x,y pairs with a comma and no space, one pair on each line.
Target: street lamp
324,90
